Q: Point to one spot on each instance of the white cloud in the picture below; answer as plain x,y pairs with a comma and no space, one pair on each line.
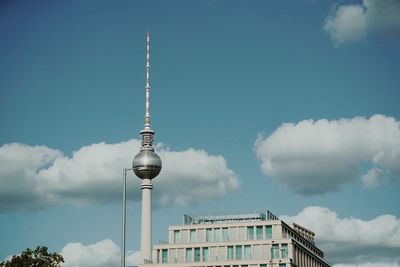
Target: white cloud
194,175
33,177
19,183
372,177
383,231
101,254
352,240
316,157
349,23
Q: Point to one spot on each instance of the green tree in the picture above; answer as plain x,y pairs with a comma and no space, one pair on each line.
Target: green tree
39,257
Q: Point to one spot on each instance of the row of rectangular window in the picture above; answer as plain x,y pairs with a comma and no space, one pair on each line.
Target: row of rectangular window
259,232
222,234
233,253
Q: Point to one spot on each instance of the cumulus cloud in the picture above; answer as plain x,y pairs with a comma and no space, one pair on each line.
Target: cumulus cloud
349,23
36,176
372,178
383,231
352,240
101,254
19,165
316,157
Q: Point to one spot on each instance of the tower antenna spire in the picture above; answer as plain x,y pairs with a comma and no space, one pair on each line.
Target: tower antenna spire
147,116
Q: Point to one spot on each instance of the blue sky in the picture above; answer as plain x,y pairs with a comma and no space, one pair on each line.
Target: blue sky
315,82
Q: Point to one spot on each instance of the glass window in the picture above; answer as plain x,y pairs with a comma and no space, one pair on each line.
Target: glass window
284,251
209,235
225,234
239,252
247,252
268,231
217,233
244,265
282,264
197,254
230,252
193,237
250,232
259,232
263,265
275,251
189,255
177,236
164,257
205,254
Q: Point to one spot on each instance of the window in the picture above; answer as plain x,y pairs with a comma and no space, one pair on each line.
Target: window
275,251
193,237
230,252
189,255
247,252
217,233
282,264
197,254
284,251
205,254
177,236
225,234
239,252
250,232
164,256
268,231
263,265
209,235
259,232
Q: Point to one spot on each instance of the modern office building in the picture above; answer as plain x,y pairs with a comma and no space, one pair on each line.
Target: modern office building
245,240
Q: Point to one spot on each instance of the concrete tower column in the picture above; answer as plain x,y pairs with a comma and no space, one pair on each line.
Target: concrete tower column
146,225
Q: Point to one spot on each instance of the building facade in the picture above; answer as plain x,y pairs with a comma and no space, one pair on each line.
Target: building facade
246,240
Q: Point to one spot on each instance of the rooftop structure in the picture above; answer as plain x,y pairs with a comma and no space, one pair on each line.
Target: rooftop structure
228,218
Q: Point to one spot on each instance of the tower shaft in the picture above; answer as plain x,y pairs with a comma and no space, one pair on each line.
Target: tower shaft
146,224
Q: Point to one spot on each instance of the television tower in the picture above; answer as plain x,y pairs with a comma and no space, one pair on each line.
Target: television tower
146,165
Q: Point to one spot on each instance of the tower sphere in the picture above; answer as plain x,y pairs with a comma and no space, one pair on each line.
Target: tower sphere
146,164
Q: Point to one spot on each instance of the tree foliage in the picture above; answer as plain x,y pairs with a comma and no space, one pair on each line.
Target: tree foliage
39,257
